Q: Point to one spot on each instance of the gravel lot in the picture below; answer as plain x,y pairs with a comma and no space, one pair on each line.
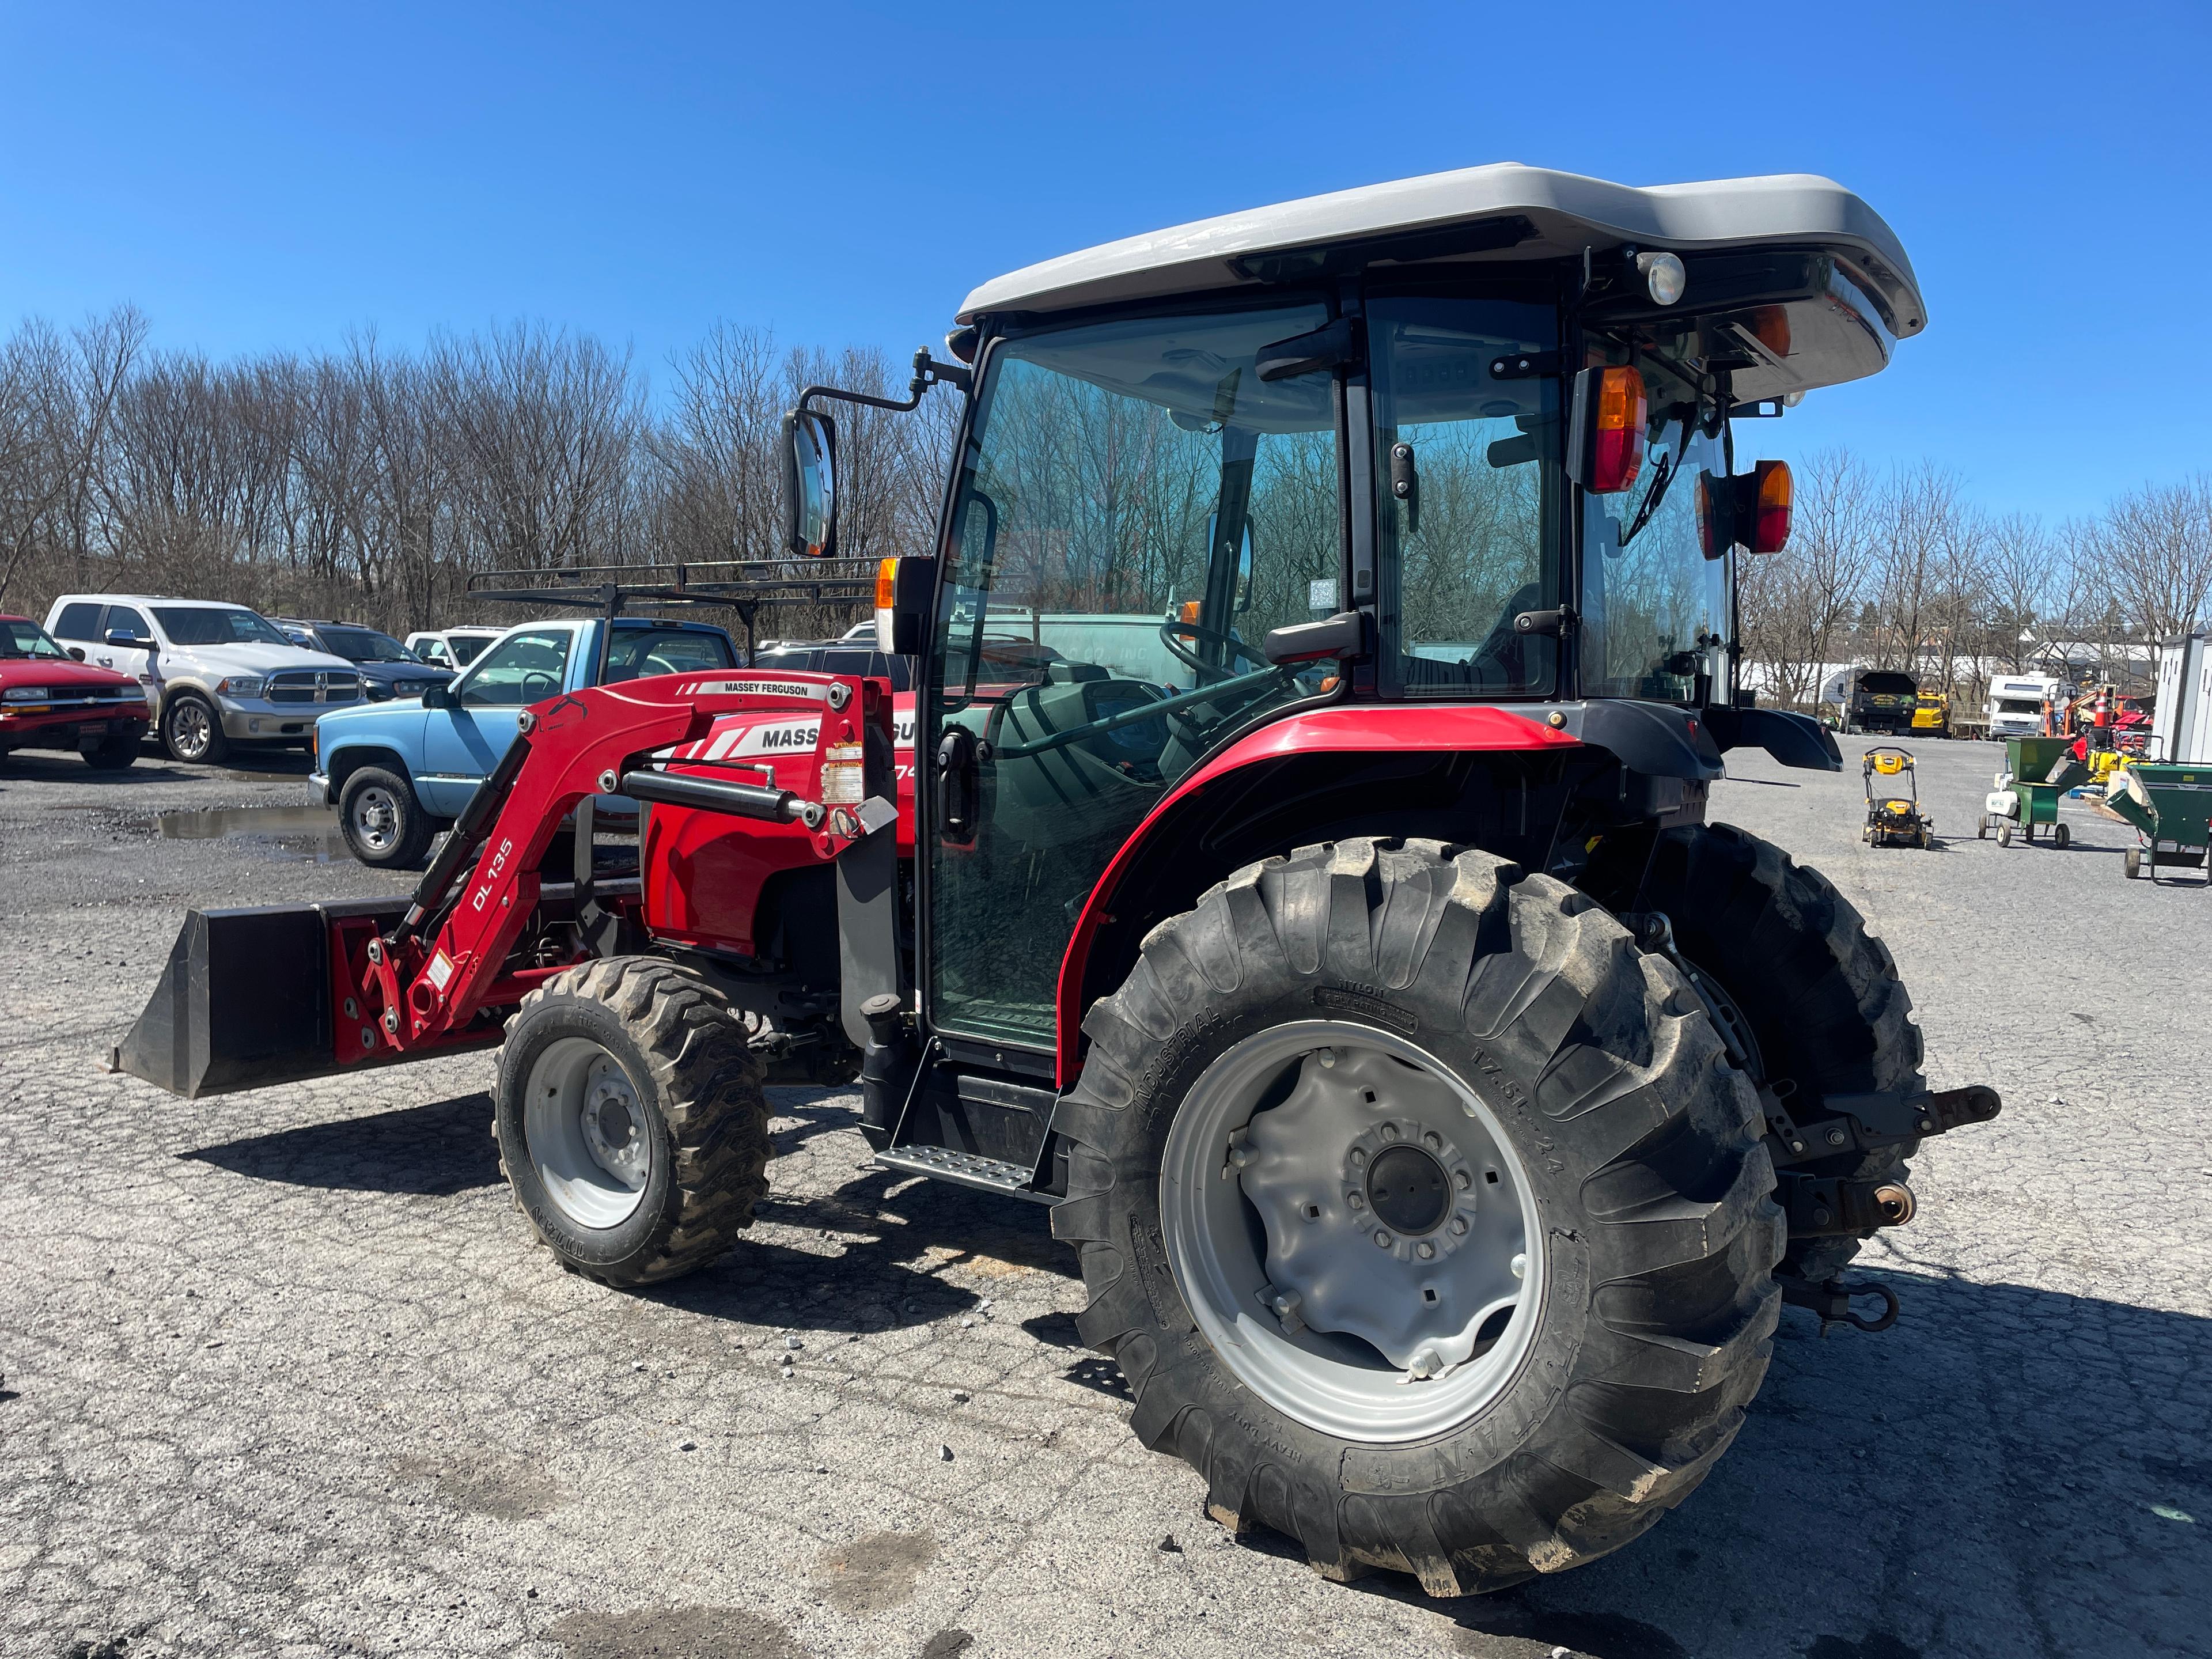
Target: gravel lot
283,1375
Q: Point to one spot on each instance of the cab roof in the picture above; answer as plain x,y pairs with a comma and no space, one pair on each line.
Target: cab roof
1504,211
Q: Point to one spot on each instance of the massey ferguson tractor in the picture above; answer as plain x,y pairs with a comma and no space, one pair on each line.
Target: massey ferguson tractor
1290,864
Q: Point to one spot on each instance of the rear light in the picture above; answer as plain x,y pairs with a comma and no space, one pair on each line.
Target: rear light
1190,609
1618,429
1713,537
1770,496
886,600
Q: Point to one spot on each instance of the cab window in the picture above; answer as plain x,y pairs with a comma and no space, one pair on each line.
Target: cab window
78,622
523,668
122,619
641,652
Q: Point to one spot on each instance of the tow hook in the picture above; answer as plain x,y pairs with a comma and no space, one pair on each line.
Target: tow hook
1831,1301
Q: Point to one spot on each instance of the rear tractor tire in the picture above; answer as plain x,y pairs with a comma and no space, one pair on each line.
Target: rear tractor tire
630,1121
1423,1212
1816,993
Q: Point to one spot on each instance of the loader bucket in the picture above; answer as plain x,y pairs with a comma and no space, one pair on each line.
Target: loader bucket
245,1000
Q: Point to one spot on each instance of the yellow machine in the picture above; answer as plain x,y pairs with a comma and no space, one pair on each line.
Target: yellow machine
1933,713
1894,819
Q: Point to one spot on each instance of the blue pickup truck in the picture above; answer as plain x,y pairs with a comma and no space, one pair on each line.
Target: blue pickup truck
399,772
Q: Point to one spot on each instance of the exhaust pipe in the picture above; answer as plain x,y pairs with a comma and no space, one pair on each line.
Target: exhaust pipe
243,1001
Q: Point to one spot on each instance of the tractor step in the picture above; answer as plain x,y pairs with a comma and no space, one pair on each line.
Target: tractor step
987,1174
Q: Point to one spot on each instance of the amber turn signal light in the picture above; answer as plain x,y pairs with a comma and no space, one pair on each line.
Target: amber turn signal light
1770,496
1610,422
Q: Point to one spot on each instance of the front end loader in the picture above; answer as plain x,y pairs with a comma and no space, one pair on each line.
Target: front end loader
1292,867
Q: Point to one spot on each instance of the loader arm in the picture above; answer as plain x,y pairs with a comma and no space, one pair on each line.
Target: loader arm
275,995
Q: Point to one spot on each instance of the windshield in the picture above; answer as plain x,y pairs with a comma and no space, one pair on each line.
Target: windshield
1654,608
27,639
366,645
467,647
1137,510
215,625
1468,491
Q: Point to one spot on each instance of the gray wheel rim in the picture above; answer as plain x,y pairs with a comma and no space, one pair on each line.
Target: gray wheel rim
376,819
189,730
589,1139
1348,1223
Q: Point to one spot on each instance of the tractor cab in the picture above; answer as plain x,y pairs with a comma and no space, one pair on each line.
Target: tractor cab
1380,457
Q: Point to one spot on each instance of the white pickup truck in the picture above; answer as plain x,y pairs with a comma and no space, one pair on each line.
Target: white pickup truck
217,673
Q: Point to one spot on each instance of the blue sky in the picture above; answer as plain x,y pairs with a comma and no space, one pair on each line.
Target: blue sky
279,175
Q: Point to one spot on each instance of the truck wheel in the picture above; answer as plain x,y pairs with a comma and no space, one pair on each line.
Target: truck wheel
383,823
191,730
112,753
1422,1212
1826,1011
630,1121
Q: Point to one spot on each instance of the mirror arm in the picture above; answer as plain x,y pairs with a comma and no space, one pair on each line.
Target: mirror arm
928,373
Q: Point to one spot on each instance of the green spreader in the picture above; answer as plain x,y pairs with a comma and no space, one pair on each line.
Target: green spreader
2171,808
2028,790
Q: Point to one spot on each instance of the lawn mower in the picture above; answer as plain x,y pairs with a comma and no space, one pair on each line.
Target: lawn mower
1894,819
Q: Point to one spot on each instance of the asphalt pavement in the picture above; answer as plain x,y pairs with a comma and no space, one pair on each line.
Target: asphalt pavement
281,1373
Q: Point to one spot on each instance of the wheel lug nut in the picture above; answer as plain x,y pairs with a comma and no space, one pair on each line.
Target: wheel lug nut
1359,1157
1463,1180
1458,1225
1432,1141
1356,1200
1388,1132
1424,1249
1383,1238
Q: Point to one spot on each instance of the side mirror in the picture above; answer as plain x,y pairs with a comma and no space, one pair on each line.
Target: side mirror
437,696
77,651
115,636
809,483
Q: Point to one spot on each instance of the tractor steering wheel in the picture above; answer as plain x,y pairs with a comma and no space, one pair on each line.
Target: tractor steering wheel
1169,632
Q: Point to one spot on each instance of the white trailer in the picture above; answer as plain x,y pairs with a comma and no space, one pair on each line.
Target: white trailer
2181,729
2017,702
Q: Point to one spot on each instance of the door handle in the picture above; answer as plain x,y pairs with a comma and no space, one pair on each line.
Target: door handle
958,783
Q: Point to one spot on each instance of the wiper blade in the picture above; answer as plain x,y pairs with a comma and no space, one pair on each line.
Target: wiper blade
1664,477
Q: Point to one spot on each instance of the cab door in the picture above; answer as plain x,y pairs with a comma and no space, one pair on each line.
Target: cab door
462,744
1099,624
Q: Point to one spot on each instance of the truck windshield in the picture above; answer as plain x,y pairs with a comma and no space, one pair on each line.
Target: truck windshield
216,625
1654,608
25,638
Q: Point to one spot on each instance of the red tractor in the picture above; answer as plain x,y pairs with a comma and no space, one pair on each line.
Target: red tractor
1306,891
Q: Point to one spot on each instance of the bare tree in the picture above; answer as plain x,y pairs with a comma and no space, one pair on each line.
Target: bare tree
1797,606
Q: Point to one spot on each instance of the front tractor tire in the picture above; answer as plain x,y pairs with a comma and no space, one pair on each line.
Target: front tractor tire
1423,1212
630,1122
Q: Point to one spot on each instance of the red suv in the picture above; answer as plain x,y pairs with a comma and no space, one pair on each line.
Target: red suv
50,700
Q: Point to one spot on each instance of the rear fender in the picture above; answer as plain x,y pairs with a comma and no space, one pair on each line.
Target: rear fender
1395,740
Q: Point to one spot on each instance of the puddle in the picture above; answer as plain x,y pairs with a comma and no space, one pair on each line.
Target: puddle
309,833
